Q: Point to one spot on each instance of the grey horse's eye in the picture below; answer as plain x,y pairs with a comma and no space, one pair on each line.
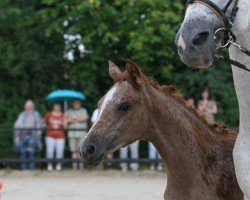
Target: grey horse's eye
124,106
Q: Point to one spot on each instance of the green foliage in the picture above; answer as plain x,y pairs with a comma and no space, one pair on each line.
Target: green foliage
32,47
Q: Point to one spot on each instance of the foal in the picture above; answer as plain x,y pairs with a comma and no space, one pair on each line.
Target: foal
198,156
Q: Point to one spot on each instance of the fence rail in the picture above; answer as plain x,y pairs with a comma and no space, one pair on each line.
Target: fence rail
13,161
6,161
10,129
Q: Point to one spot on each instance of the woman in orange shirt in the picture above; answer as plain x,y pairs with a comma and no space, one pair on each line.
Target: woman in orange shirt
55,135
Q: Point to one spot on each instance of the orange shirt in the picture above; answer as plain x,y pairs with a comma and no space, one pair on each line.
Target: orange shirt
54,122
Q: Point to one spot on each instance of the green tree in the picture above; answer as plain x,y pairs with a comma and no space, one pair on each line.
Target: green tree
34,44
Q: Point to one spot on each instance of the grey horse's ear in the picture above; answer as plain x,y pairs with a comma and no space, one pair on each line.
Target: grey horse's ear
134,74
114,72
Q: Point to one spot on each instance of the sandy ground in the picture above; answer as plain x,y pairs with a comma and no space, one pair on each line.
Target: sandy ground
85,185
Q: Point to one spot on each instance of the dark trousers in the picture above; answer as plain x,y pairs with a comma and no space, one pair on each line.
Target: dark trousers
27,151
27,154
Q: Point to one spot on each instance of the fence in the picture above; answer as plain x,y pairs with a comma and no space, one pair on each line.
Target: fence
13,161
5,161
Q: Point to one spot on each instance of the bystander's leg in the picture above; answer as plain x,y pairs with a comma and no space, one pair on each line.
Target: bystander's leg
23,155
124,155
50,150
59,152
152,155
73,144
134,151
160,164
31,156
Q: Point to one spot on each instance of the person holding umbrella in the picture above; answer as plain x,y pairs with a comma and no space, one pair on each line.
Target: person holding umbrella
64,96
77,118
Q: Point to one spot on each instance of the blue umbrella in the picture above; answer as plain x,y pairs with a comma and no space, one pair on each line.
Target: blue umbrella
64,96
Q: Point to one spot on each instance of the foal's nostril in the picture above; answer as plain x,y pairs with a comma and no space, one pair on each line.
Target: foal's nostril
200,38
90,150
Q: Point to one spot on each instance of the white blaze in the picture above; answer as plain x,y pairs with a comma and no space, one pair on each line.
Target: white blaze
107,99
109,96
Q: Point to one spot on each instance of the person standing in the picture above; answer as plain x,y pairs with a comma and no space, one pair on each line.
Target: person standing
153,154
76,118
134,154
54,138
27,134
207,107
94,116
190,102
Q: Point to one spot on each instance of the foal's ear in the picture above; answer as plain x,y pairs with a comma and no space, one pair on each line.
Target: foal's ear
114,72
134,74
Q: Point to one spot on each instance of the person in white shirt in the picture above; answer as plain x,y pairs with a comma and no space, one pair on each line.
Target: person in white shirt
94,116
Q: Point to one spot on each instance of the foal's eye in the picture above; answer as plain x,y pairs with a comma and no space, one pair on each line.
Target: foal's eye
124,106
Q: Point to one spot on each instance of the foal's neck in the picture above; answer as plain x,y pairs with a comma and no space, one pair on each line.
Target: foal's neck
176,131
184,141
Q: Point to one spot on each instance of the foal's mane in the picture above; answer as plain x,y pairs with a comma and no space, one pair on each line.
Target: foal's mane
220,129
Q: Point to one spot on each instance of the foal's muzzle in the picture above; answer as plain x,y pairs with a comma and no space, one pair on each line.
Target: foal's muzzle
89,153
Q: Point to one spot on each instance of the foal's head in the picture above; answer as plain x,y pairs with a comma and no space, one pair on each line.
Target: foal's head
122,117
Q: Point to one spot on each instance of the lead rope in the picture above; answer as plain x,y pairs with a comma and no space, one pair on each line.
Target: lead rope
232,62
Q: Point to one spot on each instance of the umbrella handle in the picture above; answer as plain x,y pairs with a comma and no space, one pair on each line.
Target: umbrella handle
65,105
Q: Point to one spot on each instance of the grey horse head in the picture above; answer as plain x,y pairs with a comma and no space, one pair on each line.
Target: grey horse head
195,38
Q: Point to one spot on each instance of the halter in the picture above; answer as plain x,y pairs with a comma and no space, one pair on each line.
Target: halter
228,22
